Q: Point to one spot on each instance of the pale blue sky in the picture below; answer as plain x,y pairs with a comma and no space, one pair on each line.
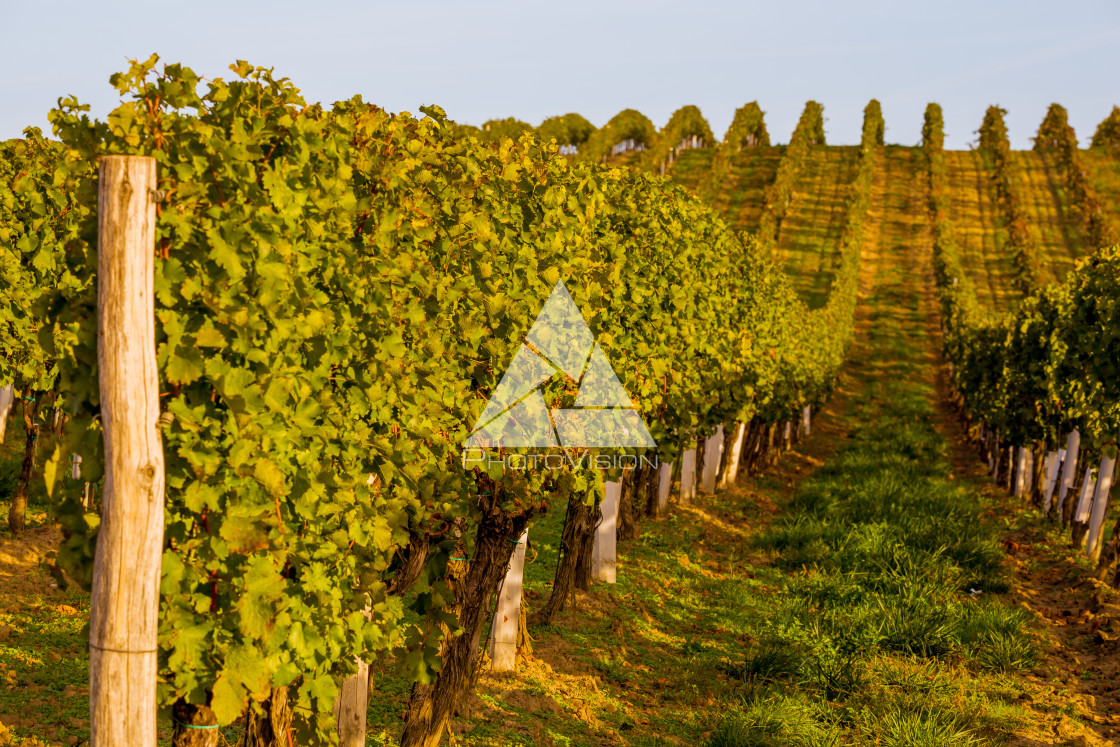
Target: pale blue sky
530,60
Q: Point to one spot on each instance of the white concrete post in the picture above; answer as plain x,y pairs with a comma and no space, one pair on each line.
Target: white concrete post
1020,472
713,453
7,397
603,552
1100,506
503,631
1052,461
1069,468
688,476
664,485
1085,498
732,471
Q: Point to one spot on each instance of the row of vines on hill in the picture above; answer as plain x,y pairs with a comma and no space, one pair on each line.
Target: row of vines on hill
747,130
1030,378
996,150
338,291
808,133
1056,134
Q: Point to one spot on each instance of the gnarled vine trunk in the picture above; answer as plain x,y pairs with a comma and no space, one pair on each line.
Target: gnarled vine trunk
578,525
585,546
18,509
430,707
194,725
273,726
628,507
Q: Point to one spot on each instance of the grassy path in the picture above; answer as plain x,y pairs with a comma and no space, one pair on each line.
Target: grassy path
752,171
976,215
809,238
1059,243
692,167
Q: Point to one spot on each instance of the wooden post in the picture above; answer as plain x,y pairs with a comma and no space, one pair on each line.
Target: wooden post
806,420
713,453
603,551
1069,468
124,601
664,485
688,476
503,631
732,471
7,396
351,706
1100,506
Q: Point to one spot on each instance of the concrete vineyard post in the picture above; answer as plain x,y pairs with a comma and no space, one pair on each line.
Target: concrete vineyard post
1100,506
603,557
1069,470
1052,461
1028,473
713,453
124,601
7,396
806,420
1084,499
503,631
664,486
688,476
732,470
1020,472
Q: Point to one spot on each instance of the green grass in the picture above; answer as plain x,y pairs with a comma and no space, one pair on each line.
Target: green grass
691,167
889,627
976,216
813,226
1045,201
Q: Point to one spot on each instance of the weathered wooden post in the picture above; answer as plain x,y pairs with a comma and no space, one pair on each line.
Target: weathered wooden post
1100,506
806,420
713,453
351,706
688,476
732,471
1069,468
503,631
7,396
124,601
603,552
